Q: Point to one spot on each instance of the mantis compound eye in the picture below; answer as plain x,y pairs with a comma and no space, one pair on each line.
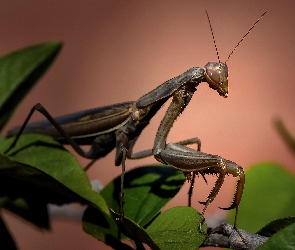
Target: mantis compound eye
216,74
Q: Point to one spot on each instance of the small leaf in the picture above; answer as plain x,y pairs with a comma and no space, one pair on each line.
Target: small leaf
38,167
134,231
275,226
33,210
178,228
284,239
19,71
108,231
268,195
101,227
147,190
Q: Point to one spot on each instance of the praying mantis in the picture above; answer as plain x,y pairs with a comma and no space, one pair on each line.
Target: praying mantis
118,127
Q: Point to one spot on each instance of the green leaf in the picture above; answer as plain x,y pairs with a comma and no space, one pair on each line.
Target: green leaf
134,231
39,168
178,228
19,71
275,226
147,190
110,230
101,227
284,239
33,211
268,195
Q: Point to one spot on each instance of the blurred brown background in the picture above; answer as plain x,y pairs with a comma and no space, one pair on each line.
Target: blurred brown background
117,51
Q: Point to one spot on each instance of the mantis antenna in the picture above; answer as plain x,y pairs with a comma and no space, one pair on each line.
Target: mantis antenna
213,36
244,36
237,43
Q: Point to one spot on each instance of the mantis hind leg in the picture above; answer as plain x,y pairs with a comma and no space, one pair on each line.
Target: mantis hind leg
92,154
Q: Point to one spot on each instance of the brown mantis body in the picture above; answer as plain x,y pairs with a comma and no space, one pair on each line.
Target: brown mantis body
119,126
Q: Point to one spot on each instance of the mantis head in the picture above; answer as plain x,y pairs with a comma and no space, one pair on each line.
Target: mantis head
216,74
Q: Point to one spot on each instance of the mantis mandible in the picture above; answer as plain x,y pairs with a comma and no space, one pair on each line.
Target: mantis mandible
118,127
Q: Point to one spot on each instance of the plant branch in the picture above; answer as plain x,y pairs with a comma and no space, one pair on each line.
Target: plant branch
225,235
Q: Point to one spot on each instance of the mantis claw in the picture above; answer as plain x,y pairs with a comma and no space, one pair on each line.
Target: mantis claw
190,160
238,194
